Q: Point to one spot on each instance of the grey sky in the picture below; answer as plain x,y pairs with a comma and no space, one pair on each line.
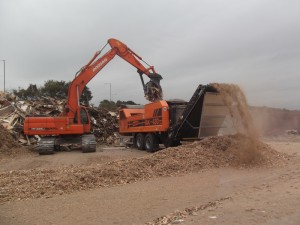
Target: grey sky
253,43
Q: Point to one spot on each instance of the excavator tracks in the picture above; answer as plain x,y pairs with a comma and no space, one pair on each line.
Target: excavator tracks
88,143
46,146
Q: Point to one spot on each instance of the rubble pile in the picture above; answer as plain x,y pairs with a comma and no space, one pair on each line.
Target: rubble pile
104,125
215,152
14,111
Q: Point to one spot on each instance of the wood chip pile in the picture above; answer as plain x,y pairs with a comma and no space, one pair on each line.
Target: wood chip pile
210,153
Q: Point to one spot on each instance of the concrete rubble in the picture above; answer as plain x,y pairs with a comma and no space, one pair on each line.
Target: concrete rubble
13,112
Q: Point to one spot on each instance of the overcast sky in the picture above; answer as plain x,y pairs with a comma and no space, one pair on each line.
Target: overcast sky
253,43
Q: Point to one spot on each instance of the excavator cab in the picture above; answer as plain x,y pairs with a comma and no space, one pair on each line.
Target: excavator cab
82,117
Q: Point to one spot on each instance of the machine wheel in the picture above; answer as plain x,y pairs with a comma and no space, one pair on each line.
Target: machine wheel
171,143
151,143
46,146
88,143
140,141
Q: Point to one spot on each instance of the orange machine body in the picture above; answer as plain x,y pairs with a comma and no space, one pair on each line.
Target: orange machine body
169,122
154,117
51,125
58,125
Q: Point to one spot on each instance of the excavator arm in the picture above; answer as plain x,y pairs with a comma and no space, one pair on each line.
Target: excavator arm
152,89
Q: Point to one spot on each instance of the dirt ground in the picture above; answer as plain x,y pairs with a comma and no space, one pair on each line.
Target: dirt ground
103,154
198,193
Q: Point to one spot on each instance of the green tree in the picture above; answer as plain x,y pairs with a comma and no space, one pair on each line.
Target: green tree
109,105
54,89
31,92
119,103
86,96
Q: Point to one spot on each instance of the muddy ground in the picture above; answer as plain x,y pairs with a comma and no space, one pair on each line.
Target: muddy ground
201,183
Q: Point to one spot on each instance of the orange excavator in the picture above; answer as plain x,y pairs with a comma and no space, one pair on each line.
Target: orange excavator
73,126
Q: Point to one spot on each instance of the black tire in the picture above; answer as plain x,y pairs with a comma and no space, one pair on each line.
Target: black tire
171,143
151,143
140,141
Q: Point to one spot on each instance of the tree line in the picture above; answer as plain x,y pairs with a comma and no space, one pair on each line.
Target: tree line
59,89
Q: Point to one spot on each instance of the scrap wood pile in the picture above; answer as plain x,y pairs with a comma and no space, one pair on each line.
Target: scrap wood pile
104,125
14,111
214,152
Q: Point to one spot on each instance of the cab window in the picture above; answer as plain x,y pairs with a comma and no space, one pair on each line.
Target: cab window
84,117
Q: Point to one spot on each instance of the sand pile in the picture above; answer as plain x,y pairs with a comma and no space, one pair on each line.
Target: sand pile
213,152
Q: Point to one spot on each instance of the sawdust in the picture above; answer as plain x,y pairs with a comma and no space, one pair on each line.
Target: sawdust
9,146
6,140
236,102
213,152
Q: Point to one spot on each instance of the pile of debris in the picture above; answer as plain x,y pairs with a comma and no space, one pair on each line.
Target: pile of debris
14,111
104,125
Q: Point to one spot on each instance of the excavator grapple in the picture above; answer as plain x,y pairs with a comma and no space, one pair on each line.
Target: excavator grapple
153,91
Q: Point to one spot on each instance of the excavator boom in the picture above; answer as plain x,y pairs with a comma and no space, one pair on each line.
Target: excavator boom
152,89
